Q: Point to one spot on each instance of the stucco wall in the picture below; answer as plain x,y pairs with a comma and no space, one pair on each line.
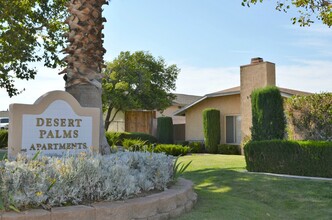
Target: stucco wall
119,122
169,112
228,105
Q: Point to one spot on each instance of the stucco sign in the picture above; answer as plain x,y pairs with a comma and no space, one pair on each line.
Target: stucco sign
55,125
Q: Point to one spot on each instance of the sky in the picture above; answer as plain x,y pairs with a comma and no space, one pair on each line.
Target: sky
208,40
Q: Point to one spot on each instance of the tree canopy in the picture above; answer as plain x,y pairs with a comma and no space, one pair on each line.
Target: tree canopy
321,9
30,31
137,81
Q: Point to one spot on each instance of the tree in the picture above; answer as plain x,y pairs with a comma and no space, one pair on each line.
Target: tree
30,31
137,81
321,9
85,57
310,117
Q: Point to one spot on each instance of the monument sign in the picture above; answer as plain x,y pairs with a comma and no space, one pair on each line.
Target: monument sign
55,124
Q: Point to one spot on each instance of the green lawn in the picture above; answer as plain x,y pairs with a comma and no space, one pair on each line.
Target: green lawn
226,191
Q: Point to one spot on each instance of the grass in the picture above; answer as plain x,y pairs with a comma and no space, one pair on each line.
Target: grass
226,191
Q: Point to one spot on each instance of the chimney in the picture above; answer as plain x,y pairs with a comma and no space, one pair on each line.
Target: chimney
256,60
257,74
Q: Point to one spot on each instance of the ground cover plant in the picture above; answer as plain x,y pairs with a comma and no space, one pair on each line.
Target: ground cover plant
47,182
226,191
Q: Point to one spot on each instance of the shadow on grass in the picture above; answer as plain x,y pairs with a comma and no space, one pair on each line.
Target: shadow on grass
230,194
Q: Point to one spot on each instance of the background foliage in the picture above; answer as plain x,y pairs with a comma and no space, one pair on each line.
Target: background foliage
30,31
310,117
319,9
137,81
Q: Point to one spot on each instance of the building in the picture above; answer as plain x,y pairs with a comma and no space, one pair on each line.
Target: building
234,104
146,121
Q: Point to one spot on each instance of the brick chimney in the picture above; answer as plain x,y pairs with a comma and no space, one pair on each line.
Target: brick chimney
257,74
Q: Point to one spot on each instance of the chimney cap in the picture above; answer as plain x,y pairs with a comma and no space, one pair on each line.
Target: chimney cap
256,60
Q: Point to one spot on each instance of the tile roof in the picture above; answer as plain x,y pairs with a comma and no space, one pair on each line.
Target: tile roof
234,91
183,99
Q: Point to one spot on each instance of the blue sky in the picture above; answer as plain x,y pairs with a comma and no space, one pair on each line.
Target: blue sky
209,40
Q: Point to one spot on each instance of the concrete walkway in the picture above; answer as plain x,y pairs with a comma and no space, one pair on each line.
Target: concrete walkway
292,176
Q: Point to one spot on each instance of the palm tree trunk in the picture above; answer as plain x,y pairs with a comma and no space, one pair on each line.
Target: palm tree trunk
85,57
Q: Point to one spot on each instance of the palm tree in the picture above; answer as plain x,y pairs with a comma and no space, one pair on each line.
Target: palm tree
85,57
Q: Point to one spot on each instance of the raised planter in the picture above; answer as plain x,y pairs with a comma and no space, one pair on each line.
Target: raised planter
170,203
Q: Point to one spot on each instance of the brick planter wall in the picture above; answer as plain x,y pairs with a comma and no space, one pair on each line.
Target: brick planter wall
171,203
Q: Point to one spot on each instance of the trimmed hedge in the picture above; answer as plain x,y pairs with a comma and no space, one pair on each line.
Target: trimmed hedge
196,147
211,126
118,137
303,158
3,138
165,130
268,118
229,149
171,149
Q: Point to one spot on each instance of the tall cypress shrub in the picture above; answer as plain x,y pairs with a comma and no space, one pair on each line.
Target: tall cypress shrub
211,125
165,130
268,118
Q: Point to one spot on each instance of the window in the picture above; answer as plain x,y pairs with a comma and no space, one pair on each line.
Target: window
233,129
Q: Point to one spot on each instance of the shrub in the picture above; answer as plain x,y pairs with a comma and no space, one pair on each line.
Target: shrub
211,125
113,138
165,130
171,149
196,147
183,143
118,137
310,117
268,119
50,182
304,158
229,149
3,138
135,145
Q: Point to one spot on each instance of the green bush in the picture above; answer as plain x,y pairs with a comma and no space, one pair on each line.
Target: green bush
135,145
183,143
211,125
171,149
3,138
165,130
118,137
310,117
268,119
229,149
196,147
304,158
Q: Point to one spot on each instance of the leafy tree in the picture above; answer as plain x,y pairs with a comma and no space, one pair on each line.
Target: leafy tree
33,31
321,9
310,117
30,31
137,81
